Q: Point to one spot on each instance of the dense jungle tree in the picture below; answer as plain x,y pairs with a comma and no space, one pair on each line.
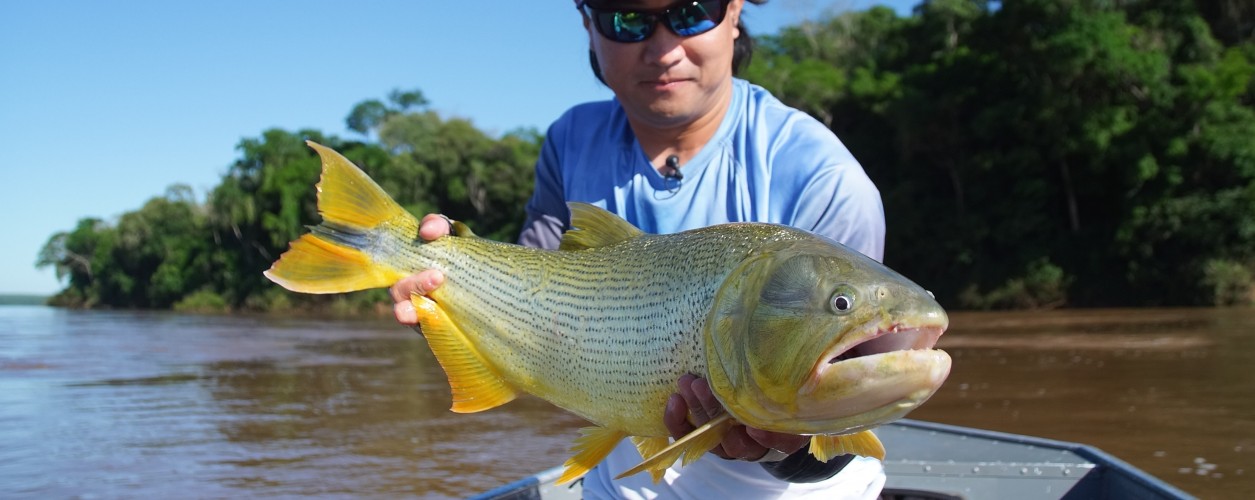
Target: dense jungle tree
1030,153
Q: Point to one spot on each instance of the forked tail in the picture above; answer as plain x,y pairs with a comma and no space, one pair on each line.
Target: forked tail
338,255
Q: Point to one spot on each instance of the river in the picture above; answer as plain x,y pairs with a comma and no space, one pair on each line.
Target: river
127,404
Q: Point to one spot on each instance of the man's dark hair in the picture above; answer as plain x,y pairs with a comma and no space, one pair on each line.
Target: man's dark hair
742,49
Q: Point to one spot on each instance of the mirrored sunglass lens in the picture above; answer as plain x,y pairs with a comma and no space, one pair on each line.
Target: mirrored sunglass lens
631,26
695,19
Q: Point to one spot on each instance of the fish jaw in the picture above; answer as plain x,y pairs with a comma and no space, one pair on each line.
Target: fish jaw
878,374
871,376
867,391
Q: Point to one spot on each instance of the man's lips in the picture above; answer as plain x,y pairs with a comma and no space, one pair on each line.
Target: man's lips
665,83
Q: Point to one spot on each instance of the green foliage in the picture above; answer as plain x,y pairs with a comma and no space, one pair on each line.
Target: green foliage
1231,283
451,167
175,252
202,301
148,259
1030,153
368,115
1043,285
23,300
1044,151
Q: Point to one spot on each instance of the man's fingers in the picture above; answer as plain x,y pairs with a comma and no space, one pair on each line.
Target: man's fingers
675,417
695,398
697,412
787,443
434,226
711,404
405,313
422,283
737,444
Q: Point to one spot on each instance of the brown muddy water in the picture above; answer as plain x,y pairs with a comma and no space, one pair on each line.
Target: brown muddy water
125,404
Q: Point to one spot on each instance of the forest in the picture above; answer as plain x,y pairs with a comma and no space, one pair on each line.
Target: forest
1029,153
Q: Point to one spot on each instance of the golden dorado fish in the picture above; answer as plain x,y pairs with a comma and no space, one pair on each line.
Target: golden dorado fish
795,333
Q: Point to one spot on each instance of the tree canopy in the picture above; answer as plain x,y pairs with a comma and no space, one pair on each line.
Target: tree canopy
1033,153
176,252
1030,153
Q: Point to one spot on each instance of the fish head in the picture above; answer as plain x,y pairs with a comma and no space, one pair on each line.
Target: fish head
811,337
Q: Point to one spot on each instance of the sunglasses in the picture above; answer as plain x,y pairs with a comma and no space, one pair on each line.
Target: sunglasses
685,18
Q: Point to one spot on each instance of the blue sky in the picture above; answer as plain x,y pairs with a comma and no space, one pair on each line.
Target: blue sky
105,104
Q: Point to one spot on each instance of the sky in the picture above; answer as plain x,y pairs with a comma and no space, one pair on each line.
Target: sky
103,105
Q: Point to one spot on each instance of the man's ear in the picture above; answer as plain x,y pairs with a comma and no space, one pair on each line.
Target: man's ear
734,15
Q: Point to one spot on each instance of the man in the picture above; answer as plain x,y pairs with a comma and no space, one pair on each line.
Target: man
683,145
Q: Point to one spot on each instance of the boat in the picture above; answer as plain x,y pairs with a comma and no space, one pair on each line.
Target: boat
933,461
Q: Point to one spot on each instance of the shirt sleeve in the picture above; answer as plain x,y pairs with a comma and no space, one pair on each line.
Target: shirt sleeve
547,212
841,202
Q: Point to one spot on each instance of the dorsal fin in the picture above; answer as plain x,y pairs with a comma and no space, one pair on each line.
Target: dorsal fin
457,228
593,226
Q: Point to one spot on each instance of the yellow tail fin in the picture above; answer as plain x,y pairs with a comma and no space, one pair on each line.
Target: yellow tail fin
334,256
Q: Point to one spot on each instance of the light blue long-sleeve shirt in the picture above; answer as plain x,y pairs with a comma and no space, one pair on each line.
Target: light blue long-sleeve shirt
766,163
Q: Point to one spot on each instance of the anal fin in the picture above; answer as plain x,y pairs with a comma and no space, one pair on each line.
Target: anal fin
864,443
590,448
650,446
690,447
475,385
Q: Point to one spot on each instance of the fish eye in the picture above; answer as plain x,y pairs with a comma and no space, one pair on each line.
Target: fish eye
842,301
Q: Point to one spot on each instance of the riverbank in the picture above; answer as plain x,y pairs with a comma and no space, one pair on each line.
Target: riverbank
17,299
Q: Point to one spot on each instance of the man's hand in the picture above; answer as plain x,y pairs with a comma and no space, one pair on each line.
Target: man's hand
694,404
432,227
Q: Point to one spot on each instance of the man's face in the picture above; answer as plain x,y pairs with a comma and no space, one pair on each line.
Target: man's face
668,80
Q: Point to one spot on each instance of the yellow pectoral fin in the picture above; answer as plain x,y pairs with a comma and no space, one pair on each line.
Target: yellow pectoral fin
476,387
590,449
864,443
690,447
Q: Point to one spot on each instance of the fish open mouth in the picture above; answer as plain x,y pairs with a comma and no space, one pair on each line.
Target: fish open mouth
877,374
882,340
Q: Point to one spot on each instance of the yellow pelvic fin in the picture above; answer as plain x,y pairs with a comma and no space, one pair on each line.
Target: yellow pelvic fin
590,449
650,446
690,447
475,385
864,443
593,226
